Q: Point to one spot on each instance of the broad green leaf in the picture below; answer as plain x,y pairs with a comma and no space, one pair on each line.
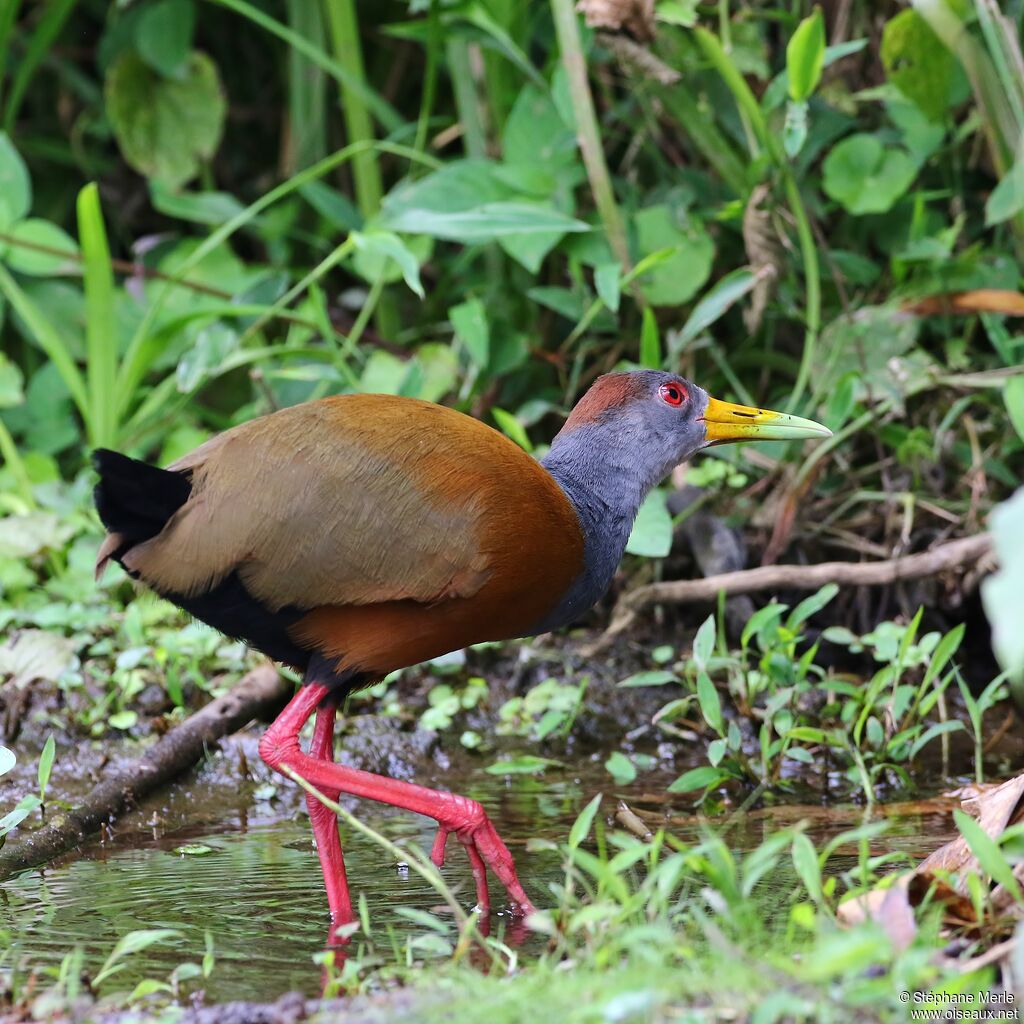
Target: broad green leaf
525,764
1003,592
710,704
123,719
654,677
1007,199
13,818
194,850
794,128
811,606
163,35
621,769
917,62
676,278
166,127
652,531
484,223
713,305
698,778
377,248
932,733
46,757
39,248
534,133
805,55
133,942
677,12
584,822
650,341
865,176
1013,399
7,760
512,428
805,860
11,383
15,184
704,642
469,319
992,860
212,208
608,282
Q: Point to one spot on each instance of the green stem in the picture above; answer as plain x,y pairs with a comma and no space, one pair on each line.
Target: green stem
344,29
14,462
467,102
434,43
8,17
587,132
812,286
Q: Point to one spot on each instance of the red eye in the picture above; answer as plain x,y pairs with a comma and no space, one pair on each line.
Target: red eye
672,394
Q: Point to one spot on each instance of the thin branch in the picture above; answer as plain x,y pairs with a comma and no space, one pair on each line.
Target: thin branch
956,554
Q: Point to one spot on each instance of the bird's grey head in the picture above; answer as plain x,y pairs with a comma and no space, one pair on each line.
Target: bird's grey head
635,427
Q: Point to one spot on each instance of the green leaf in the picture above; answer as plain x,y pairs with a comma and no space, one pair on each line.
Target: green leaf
15,184
484,223
651,536
805,860
11,383
677,12
698,778
621,769
918,63
166,127
794,128
608,282
46,764
1003,592
1013,399
710,704
811,606
212,208
650,341
163,35
865,176
381,246
133,942
194,850
7,760
704,642
469,319
512,428
123,719
990,857
13,818
584,822
655,677
1007,198
525,764
676,278
805,56
713,305
21,254
931,733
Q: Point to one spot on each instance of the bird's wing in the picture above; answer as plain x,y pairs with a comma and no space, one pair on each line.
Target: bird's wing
351,500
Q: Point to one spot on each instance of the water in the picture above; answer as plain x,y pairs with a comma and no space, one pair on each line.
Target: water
260,892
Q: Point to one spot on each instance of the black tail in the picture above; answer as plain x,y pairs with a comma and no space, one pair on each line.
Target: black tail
135,499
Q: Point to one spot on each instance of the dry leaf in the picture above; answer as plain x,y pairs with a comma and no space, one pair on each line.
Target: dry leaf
996,808
635,16
980,300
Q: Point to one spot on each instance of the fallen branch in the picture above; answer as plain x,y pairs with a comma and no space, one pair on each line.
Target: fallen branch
259,691
952,555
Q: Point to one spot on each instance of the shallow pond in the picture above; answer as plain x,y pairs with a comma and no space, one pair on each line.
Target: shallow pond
259,890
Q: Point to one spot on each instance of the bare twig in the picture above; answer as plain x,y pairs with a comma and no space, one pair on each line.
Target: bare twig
966,552
261,690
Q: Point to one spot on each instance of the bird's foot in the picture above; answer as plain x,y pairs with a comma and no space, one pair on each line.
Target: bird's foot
485,849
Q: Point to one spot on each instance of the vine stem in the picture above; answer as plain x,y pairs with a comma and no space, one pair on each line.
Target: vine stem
588,134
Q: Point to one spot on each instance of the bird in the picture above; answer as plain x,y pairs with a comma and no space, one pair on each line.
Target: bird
358,534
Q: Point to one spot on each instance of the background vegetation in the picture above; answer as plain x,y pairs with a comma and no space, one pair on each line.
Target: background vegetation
210,209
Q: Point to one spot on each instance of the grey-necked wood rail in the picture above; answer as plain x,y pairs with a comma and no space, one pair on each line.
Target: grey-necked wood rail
359,534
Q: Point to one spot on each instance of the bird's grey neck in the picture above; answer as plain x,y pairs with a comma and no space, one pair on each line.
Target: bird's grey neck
605,484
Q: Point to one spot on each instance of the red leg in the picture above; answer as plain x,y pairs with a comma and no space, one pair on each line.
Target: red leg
325,824
466,818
